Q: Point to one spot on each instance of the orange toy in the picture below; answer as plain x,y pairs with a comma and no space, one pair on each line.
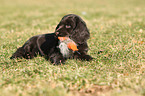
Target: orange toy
72,46
62,38
70,43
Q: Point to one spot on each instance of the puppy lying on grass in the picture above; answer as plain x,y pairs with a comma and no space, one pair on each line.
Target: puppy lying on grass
76,34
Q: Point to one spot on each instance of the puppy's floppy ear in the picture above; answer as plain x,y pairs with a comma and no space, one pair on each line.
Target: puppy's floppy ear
80,33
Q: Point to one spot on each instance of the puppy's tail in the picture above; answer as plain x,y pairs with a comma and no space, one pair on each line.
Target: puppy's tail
18,54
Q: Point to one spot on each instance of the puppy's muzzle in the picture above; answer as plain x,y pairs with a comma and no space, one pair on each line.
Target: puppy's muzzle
56,33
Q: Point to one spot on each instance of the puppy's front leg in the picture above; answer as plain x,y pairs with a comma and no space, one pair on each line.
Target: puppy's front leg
57,58
82,52
82,56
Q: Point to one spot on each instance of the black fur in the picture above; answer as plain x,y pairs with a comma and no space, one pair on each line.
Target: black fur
46,45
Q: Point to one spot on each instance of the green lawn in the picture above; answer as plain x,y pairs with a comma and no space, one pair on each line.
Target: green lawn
116,26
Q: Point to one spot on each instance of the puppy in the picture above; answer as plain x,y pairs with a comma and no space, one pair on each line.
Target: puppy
48,45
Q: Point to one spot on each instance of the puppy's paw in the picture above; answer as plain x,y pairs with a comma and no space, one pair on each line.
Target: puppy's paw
87,57
60,62
57,61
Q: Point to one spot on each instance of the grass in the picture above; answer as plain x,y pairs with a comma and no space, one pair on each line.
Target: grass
116,26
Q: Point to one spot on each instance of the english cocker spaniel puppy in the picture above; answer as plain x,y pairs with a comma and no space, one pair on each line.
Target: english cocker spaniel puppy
49,46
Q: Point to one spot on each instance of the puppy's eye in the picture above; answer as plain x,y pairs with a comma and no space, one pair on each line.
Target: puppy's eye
68,26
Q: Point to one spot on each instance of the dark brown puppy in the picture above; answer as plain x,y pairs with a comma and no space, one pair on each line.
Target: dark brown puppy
71,26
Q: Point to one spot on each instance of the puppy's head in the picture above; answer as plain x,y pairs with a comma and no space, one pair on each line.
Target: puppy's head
74,27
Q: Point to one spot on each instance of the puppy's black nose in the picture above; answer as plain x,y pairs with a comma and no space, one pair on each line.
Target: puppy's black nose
56,33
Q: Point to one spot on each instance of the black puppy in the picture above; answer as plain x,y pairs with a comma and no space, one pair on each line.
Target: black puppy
71,26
